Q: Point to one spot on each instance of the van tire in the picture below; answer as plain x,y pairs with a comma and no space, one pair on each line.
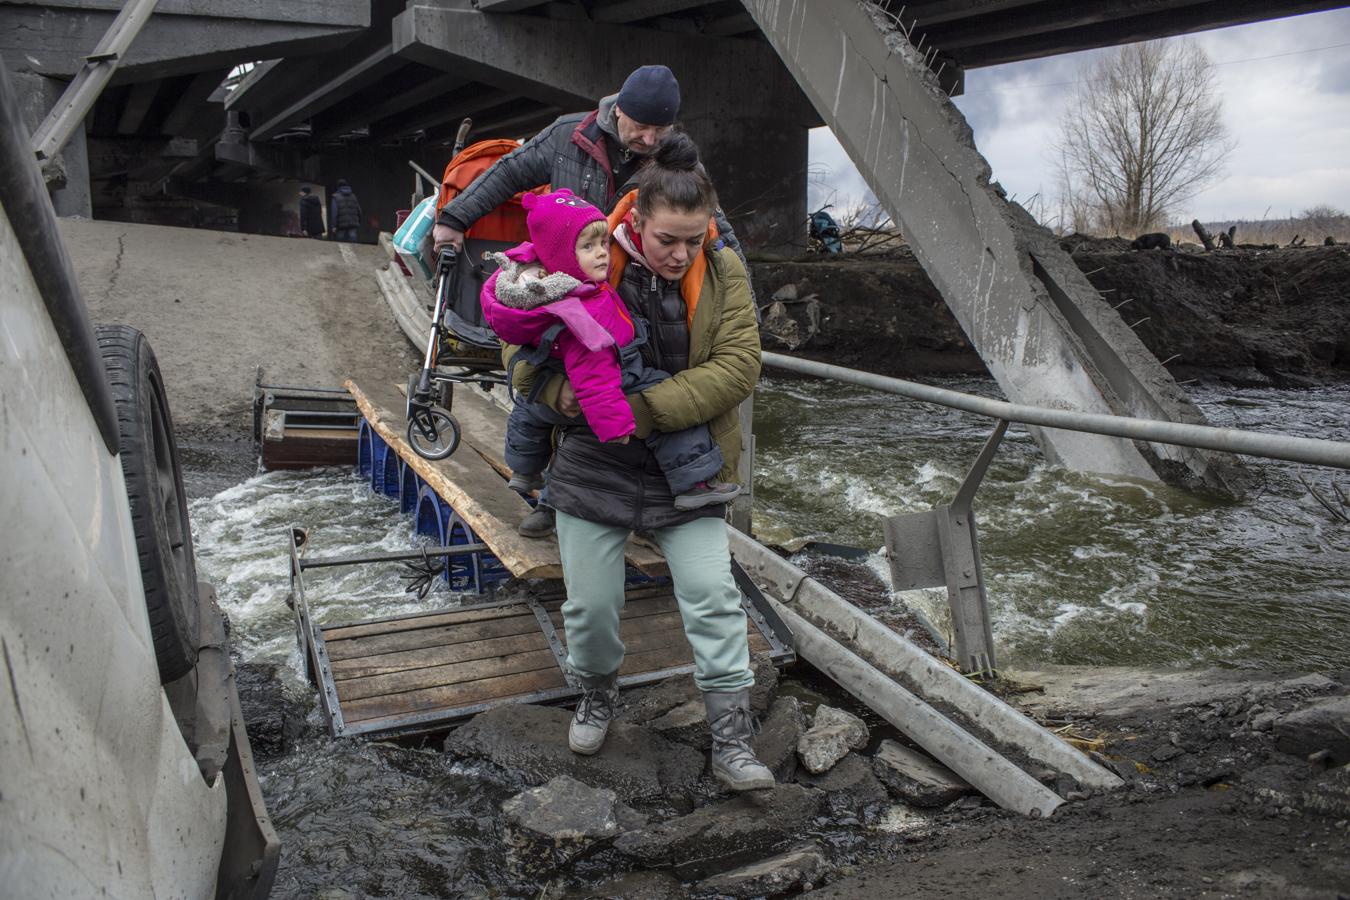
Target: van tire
154,484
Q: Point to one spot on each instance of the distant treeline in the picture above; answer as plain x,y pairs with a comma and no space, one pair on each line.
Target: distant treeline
1313,226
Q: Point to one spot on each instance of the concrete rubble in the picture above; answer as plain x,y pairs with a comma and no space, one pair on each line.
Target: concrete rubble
833,733
705,840
916,779
852,789
1322,725
532,741
799,869
776,743
554,824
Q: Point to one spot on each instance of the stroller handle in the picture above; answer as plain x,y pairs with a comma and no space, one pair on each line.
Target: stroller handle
445,262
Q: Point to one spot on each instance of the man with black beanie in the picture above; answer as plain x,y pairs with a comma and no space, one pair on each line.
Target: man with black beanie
594,155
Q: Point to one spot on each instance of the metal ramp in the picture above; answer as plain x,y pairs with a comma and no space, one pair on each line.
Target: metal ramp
303,427
419,673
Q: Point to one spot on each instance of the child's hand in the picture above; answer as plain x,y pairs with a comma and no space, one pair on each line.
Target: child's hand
620,440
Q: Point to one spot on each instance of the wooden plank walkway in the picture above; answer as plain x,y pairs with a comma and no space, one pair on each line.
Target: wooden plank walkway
473,480
420,672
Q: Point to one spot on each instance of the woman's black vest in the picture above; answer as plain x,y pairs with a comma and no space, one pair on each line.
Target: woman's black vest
621,484
660,303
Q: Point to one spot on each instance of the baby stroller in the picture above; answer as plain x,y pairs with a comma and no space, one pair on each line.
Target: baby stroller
461,347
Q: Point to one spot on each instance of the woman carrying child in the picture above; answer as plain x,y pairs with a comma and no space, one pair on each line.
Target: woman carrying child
690,298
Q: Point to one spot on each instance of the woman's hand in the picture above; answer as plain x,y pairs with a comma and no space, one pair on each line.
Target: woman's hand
567,400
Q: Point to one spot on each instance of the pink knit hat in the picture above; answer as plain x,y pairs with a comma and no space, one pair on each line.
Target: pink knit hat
555,220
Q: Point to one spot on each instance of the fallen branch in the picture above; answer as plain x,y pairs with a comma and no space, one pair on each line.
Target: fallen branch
1340,515
1201,232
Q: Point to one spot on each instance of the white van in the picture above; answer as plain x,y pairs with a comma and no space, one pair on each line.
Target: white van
125,770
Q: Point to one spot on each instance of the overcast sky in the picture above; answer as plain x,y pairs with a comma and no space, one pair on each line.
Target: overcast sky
1285,85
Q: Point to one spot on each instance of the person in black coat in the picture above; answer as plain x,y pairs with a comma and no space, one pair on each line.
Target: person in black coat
311,214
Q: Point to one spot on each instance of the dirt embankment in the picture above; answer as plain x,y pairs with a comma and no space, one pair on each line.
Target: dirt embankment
1247,316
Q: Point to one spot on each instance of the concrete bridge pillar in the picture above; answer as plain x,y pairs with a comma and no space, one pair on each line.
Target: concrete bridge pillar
739,102
68,172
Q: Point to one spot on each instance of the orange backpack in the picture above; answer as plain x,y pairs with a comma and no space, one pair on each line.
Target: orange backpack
505,223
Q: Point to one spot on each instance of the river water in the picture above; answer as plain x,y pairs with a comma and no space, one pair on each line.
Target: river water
1079,569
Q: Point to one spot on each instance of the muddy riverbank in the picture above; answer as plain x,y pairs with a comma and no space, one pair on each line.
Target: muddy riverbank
1246,317
1235,785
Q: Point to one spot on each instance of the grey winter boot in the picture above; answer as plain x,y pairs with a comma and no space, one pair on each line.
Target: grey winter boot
733,760
539,523
598,706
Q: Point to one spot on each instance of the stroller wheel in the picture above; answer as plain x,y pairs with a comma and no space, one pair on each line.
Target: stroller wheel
433,433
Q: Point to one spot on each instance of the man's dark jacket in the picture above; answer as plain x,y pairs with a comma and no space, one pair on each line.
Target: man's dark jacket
580,152
311,215
345,214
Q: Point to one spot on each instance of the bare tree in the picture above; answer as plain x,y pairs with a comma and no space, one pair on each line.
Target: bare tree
1143,134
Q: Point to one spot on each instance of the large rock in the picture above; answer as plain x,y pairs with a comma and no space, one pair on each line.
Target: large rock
674,707
832,734
755,822
776,743
1329,794
916,779
549,826
569,810
532,740
274,721
765,688
633,886
796,870
644,704
686,723
851,787
1321,725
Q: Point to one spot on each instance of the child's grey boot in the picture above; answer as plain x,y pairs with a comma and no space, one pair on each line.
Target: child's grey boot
706,493
733,761
598,706
526,484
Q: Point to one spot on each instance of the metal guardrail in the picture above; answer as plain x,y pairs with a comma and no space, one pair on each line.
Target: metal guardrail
941,548
1313,451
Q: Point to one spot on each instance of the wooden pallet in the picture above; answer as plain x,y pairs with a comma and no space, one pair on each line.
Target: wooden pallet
422,672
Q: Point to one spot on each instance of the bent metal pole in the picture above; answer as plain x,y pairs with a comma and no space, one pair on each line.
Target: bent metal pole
1313,451
979,764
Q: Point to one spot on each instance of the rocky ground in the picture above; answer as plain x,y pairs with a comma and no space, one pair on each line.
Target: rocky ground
1235,785
1249,316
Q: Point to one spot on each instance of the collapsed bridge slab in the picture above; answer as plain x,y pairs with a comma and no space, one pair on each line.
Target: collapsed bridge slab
1043,331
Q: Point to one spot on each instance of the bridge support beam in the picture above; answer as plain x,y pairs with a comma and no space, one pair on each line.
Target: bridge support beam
739,102
183,36
1043,331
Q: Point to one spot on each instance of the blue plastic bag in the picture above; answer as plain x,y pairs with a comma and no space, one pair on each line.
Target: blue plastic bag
413,241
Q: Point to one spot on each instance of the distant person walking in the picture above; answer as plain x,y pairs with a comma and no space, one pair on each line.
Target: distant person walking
344,213
311,214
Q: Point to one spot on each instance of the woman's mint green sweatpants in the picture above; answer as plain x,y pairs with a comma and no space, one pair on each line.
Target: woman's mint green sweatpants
710,602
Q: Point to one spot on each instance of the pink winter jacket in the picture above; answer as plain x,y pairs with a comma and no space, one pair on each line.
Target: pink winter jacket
520,309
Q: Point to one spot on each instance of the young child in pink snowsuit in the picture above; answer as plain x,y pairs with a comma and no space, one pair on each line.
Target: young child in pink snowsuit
554,289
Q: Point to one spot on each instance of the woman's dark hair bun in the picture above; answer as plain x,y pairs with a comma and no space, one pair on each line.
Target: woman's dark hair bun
677,152
673,177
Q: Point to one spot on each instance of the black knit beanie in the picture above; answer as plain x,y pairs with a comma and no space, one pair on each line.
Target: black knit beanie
650,96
